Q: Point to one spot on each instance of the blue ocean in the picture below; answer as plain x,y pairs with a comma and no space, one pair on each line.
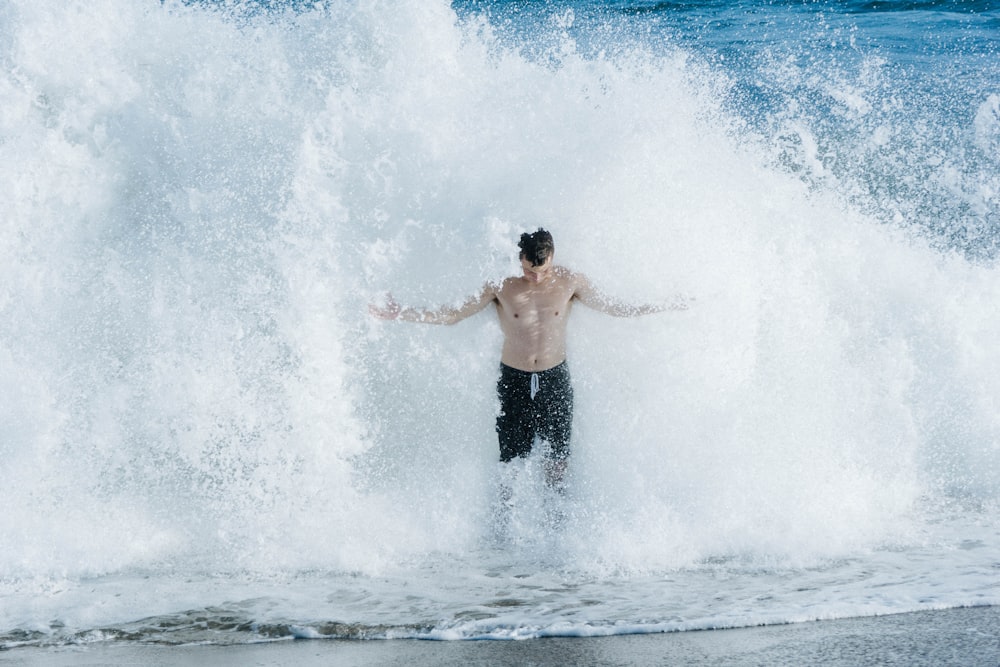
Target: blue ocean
205,438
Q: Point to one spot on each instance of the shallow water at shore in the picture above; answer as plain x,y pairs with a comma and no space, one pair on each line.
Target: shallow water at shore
966,636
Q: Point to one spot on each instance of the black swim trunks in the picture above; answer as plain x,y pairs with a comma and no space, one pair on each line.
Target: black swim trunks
534,404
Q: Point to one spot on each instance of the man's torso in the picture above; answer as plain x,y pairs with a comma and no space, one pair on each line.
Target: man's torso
533,318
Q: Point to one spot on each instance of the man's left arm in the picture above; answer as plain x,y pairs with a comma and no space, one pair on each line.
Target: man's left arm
592,297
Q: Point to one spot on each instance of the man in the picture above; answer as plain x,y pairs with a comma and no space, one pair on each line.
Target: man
536,397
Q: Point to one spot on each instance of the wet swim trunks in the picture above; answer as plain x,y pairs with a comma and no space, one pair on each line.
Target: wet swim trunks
534,404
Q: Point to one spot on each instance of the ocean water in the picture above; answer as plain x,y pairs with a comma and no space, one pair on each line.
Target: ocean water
204,437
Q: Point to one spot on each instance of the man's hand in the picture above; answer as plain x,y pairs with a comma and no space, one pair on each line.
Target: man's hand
389,310
680,302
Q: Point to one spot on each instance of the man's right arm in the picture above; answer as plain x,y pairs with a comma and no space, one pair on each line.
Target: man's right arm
443,315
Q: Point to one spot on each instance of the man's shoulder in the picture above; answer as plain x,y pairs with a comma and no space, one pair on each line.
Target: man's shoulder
565,278
564,272
506,283
505,287
568,277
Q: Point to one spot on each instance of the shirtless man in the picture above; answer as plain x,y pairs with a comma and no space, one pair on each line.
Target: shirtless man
536,397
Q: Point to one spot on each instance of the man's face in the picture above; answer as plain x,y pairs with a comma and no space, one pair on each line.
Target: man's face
536,274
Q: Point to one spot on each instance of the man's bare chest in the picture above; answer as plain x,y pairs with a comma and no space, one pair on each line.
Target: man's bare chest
535,303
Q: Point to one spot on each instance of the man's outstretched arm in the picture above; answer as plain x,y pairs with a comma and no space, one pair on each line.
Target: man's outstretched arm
443,315
594,298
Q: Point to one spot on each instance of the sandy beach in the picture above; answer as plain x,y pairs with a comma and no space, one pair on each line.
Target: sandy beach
959,637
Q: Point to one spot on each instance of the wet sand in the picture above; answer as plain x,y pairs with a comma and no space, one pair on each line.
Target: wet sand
960,637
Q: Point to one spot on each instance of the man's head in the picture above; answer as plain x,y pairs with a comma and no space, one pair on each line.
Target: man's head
537,248
536,255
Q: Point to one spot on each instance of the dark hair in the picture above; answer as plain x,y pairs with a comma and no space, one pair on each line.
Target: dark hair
536,247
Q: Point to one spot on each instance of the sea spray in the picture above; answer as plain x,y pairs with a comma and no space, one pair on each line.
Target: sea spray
200,209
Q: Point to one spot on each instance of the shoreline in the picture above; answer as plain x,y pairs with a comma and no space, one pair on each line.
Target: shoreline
958,636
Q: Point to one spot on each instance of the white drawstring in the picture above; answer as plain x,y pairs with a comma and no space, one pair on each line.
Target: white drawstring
534,385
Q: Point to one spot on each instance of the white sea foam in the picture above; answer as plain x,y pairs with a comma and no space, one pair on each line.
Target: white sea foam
198,209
